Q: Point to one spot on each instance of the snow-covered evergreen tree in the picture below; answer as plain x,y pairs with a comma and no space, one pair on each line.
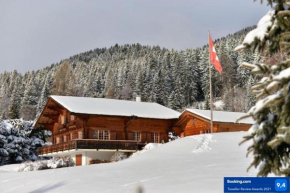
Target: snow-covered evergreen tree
18,143
13,112
44,96
105,72
158,91
271,132
173,103
29,101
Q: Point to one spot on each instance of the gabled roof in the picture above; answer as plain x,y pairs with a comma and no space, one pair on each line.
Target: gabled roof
112,107
222,116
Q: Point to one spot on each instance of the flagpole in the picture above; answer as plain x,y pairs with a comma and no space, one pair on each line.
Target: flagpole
210,86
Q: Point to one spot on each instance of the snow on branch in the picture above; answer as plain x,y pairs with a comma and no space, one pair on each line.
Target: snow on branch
256,68
284,74
259,33
248,65
283,13
264,103
18,143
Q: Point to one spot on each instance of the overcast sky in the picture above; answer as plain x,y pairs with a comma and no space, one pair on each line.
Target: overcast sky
37,33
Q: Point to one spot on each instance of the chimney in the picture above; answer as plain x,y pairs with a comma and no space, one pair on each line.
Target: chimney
138,99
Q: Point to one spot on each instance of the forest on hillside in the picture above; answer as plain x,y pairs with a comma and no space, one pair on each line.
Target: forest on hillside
176,79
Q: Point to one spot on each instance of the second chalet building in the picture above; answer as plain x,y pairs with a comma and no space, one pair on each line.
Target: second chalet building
196,121
95,128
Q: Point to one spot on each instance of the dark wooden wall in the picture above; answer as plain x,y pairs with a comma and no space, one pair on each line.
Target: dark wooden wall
191,124
121,128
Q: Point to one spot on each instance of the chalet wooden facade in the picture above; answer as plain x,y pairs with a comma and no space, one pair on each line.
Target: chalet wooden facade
93,128
195,121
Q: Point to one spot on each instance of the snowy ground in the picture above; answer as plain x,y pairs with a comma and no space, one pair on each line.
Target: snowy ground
191,164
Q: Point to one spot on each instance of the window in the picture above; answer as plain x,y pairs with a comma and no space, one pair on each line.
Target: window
80,135
101,134
57,140
106,137
64,138
74,135
95,134
62,119
154,137
136,136
72,117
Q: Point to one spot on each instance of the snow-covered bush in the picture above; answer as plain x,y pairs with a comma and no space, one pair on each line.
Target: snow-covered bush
60,162
19,142
46,164
118,156
172,136
147,147
30,166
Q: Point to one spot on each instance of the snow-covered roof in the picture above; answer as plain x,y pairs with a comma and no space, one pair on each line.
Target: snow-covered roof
112,107
222,116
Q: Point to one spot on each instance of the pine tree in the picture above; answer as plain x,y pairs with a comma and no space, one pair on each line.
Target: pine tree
14,107
43,97
203,68
173,102
147,82
250,99
158,92
193,80
271,132
13,112
139,83
29,101
206,104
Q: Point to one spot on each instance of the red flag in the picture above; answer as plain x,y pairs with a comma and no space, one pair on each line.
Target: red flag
213,56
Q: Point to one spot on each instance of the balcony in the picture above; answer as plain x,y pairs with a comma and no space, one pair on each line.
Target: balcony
91,144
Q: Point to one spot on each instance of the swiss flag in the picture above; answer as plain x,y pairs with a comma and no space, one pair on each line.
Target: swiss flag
213,56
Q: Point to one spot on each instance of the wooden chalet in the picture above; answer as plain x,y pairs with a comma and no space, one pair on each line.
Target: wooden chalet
95,128
195,121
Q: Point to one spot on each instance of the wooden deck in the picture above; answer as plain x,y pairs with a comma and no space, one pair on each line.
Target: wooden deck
91,144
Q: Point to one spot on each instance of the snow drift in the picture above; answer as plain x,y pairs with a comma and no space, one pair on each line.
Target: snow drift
190,164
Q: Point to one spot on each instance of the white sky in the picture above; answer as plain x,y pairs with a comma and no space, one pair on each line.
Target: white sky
37,33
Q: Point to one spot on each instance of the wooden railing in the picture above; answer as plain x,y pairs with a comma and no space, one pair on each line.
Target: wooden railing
91,144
